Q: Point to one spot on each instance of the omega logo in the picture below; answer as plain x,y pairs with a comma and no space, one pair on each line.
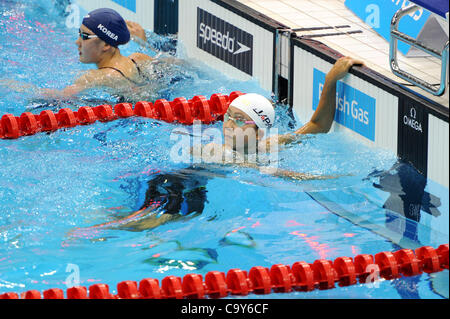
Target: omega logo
413,113
412,120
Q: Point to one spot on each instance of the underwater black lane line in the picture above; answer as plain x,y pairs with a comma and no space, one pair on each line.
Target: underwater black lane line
321,28
331,34
357,220
378,230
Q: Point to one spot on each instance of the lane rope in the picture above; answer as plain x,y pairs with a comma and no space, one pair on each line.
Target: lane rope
301,276
180,110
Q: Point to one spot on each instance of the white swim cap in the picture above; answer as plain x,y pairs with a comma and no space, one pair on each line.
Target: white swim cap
256,106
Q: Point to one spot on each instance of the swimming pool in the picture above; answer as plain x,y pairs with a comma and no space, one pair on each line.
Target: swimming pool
55,188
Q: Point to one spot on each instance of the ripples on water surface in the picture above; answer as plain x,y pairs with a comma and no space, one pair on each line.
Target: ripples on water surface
55,187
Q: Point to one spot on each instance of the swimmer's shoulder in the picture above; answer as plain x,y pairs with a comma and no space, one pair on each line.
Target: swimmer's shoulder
97,77
140,57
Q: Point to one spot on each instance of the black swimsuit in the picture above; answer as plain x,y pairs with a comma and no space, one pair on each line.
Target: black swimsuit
132,81
180,193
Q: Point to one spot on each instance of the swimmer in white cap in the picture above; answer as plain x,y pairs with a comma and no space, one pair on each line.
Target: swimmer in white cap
246,121
250,116
253,112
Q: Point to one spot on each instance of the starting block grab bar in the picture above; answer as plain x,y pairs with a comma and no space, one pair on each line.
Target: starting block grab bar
396,36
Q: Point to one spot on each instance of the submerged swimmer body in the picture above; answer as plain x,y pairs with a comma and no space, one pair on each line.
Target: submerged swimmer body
178,194
168,197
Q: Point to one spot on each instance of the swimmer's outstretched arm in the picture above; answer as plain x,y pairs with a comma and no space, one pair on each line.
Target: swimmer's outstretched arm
323,117
137,32
283,173
18,86
138,35
80,85
274,171
90,79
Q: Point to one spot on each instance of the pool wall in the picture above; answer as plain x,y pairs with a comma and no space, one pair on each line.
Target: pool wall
141,11
245,44
230,40
397,119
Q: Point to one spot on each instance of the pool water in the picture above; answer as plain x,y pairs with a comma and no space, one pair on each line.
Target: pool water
67,198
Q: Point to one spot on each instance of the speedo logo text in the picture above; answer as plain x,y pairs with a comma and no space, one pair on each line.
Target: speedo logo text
216,37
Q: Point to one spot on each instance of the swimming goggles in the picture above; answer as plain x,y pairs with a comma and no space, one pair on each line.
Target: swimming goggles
238,122
85,36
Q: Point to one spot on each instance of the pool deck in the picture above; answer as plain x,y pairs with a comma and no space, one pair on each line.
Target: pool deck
366,44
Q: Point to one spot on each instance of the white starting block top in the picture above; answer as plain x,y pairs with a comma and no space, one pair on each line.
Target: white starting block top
359,39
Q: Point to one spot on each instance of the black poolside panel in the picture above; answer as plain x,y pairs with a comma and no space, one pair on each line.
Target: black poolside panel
166,17
245,62
225,41
413,133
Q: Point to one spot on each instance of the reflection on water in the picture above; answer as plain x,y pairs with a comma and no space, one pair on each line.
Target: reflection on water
85,195
406,187
171,255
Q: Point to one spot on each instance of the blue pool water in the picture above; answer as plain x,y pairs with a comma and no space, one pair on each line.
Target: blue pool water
55,189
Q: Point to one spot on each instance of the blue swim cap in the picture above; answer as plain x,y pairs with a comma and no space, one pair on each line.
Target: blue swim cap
108,25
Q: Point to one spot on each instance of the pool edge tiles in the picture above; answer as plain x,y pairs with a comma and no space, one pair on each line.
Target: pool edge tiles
334,24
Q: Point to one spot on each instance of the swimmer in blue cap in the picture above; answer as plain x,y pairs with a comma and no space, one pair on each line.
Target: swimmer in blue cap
100,35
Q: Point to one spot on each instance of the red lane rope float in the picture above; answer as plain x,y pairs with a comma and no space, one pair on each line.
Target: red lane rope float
179,110
302,276
67,118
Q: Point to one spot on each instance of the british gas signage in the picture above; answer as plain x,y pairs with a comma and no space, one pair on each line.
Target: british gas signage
225,41
354,109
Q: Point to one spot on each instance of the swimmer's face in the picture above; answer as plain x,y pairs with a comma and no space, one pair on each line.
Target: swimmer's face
90,50
240,138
